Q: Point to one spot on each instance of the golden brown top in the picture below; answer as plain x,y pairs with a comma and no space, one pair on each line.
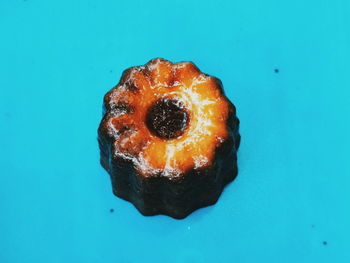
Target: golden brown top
204,112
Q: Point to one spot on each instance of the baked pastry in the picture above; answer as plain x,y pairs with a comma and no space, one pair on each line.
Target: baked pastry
168,138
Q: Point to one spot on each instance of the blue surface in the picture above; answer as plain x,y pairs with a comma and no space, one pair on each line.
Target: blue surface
58,58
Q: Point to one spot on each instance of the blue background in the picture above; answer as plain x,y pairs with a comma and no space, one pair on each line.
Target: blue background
58,59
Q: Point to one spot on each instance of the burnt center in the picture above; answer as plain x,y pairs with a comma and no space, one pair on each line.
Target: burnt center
167,118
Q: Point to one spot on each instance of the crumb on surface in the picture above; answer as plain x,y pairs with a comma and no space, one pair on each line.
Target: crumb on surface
111,210
277,70
324,243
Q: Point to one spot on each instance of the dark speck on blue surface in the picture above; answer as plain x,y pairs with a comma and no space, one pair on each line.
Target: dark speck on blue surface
277,70
111,210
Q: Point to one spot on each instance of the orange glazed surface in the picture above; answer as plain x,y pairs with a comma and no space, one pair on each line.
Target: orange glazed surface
208,109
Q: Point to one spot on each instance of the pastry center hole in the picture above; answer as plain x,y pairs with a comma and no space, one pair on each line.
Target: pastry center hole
167,118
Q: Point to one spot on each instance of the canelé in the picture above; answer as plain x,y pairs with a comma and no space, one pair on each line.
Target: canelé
168,138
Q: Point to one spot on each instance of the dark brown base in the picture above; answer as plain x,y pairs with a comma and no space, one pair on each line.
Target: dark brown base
172,199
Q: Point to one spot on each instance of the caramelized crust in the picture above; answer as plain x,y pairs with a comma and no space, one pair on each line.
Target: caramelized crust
139,88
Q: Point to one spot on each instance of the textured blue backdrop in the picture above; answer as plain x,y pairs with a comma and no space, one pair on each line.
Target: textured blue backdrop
291,200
